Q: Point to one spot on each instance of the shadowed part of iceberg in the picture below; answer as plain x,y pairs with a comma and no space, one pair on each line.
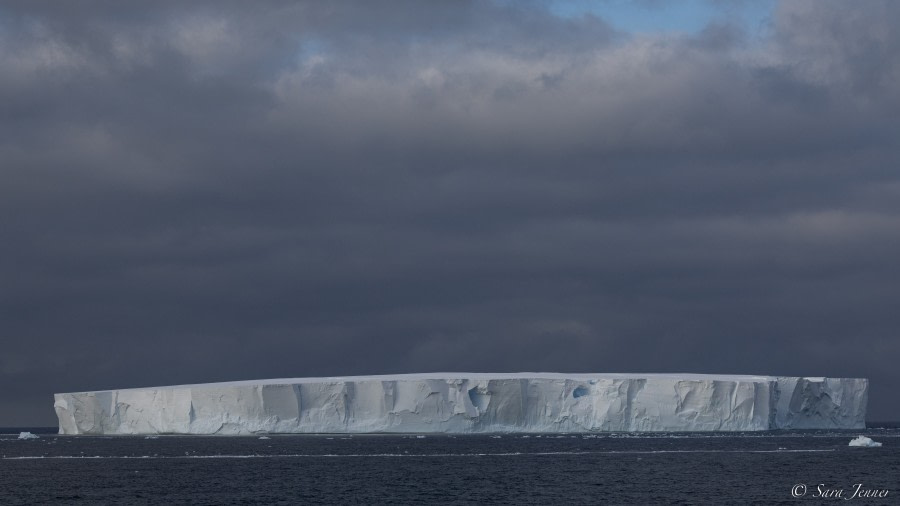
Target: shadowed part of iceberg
472,403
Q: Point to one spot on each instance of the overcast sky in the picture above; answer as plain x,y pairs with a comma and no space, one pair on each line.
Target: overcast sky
195,192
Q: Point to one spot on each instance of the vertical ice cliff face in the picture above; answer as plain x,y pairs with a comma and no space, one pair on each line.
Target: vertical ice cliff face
812,403
472,403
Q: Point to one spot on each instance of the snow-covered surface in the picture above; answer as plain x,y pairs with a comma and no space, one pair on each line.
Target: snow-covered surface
864,441
472,402
28,435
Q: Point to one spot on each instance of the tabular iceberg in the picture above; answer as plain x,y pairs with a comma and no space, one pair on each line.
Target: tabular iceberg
472,403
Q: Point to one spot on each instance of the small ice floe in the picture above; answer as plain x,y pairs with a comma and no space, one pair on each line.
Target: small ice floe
420,437
28,435
264,437
864,441
151,437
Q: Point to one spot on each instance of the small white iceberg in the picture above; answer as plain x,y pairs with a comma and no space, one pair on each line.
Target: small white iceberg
264,437
28,435
864,441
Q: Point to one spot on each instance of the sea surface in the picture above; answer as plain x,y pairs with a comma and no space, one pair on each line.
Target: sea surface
785,467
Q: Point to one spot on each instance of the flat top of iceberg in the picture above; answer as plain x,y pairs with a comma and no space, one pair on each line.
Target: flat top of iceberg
474,376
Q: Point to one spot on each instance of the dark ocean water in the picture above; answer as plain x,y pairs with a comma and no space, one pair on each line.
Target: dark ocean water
634,469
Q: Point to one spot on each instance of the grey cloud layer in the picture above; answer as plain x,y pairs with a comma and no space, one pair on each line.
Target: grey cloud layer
215,192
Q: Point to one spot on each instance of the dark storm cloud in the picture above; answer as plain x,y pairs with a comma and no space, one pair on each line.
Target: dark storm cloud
201,192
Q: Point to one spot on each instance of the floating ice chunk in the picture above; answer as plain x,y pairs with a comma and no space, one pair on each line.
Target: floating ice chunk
264,437
28,435
864,441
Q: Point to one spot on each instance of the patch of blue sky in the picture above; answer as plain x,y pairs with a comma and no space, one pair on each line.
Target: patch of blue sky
679,16
311,47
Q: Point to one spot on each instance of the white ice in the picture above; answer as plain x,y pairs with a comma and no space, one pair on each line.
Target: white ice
864,441
28,435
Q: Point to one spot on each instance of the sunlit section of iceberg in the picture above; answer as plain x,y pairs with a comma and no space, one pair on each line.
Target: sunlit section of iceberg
472,403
